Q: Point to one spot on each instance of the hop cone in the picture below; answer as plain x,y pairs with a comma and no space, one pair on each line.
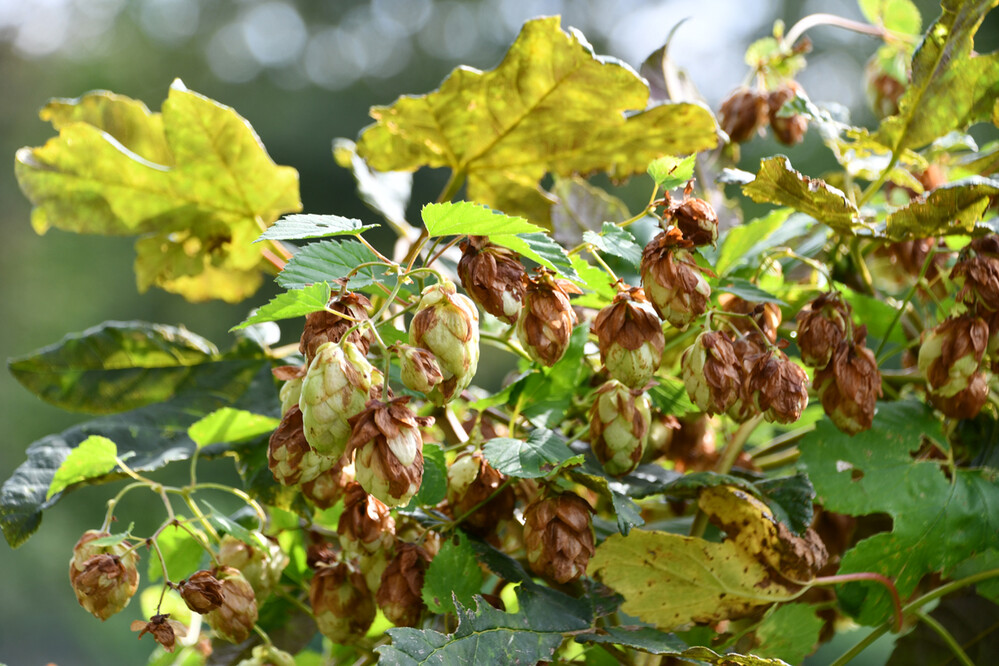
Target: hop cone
400,595
234,619
779,387
849,385
419,369
104,578
268,655
743,113
493,277
447,324
290,457
951,354
367,532
558,536
324,326
341,602
619,427
789,130
326,489
546,322
630,338
822,326
470,481
697,221
291,390
711,372
260,566
977,272
202,592
672,281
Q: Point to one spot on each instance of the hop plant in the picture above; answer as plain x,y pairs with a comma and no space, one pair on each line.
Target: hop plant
367,532
850,384
951,354
558,536
493,277
419,369
977,273
779,387
630,338
326,489
789,130
291,390
619,427
343,312
546,322
447,324
341,602
822,326
400,595
163,630
234,619
104,578
672,281
712,374
290,457
470,482
202,591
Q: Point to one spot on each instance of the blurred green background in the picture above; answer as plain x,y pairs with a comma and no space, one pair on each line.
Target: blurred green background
302,73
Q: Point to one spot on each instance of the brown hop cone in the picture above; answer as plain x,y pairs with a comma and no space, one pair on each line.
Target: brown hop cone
546,321
951,354
400,595
850,385
779,387
672,281
977,271
326,489
290,457
163,630
822,326
234,619
766,316
419,368
104,578
341,602
749,349
447,324
967,403
711,372
620,418
261,566
324,326
743,113
470,481
630,337
493,277
789,130
691,446
202,592
366,524
558,536
697,221
388,450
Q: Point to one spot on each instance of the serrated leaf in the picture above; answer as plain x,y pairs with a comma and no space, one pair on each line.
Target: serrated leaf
949,209
95,456
746,290
551,106
619,242
596,280
582,207
327,261
937,521
181,552
541,454
464,217
672,172
113,539
627,512
669,396
541,248
223,523
789,633
230,425
646,639
778,183
949,87
433,488
896,15
195,179
292,227
453,571
385,192
292,303
113,367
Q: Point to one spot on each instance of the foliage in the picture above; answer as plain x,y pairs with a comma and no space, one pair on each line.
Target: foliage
582,512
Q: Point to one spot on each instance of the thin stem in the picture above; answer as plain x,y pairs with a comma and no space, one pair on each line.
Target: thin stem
873,188
198,538
815,20
725,462
444,249
861,266
257,509
947,637
460,519
905,304
263,634
113,503
166,576
454,184
200,515
375,252
603,264
504,343
868,575
788,437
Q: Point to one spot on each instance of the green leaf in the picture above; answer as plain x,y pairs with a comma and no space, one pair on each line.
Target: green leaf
226,525
543,453
949,88
327,261
292,227
551,106
293,303
740,243
669,396
789,633
541,248
875,314
646,639
230,425
113,367
746,290
433,488
113,539
95,456
148,437
978,563
790,498
949,209
464,217
596,280
619,242
195,180
896,15
593,477
453,571
938,519
182,553
672,172
778,183
581,207
385,192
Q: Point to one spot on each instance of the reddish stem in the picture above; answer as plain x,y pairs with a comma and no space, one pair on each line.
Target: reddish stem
275,260
867,575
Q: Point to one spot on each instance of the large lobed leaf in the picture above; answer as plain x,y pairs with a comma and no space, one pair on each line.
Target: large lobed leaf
777,182
949,209
551,106
938,521
194,182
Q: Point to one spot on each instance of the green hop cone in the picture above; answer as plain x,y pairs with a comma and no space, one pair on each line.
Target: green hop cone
290,457
341,602
234,619
672,281
951,354
367,532
712,373
104,578
447,325
268,655
419,369
630,338
337,386
261,566
619,427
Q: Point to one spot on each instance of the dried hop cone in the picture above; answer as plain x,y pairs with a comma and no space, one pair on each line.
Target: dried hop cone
268,655
967,403
470,482
749,349
326,489
619,427
672,281
234,619
163,630
558,536
697,221
977,271
291,389
493,277
630,337
447,324
324,326
400,595
419,368
202,592
850,385
779,387
388,450
711,372
743,113
261,565
290,457
104,578
339,383
822,326
341,602
789,130
951,354
546,322
367,532
763,317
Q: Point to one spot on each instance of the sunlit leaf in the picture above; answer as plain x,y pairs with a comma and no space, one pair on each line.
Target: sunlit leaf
463,217
230,425
948,209
778,183
747,291
551,106
740,243
300,226
183,554
541,248
671,172
327,261
669,396
453,571
95,456
293,303
619,242
582,207
896,15
433,488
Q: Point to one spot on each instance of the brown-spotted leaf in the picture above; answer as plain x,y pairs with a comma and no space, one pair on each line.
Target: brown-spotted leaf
777,182
551,106
193,181
950,209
